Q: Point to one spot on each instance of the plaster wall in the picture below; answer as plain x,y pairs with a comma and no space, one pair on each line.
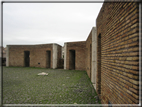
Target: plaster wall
94,56
65,55
55,52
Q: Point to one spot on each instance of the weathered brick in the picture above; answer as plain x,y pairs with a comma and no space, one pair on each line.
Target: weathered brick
135,67
129,58
136,96
119,52
134,53
135,77
136,87
133,71
134,81
135,58
129,92
132,89
130,75
80,55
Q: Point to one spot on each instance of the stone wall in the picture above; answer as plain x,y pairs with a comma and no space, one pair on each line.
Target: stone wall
80,56
15,55
118,53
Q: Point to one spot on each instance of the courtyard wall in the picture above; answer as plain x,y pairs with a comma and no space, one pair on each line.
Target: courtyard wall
15,55
80,56
118,53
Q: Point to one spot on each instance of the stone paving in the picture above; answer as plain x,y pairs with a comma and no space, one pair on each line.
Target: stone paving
23,86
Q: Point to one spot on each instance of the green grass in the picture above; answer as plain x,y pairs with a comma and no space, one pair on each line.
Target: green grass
23,86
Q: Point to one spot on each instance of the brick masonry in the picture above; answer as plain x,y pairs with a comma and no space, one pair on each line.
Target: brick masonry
112,53
80,56
118,53
15,55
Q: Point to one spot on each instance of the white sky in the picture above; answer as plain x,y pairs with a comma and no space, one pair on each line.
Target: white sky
43,23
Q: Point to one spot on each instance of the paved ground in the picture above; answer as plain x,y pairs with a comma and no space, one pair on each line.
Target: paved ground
24,86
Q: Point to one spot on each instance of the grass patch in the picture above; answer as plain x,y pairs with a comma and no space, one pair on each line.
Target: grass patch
23,86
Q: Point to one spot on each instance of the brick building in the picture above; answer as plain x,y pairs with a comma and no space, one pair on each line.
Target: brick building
74,55
110,55
82,55
118,53
44,56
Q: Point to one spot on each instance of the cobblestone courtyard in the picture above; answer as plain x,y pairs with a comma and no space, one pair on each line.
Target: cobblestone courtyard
23,86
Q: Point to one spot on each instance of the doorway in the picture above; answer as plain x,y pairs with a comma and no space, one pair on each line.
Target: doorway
71,59
48,59
27,58
99,64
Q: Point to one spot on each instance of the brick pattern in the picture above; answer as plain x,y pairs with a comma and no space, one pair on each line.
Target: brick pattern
80,58
37,55
118,24
89,54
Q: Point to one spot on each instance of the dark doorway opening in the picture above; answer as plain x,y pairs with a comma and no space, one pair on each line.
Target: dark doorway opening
99,63
3,61
71,59
48,59
27,58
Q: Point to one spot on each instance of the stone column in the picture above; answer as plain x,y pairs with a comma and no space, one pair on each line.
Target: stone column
7,55
65,55
94,56
55,54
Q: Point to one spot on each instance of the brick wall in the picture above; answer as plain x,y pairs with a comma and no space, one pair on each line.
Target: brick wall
37,55
118,53
89,54
80,57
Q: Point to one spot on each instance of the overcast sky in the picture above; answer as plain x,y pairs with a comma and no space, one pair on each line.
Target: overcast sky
43,23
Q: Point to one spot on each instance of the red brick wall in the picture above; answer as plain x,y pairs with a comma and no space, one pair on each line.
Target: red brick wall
118,24
80,49
37,55
89,54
